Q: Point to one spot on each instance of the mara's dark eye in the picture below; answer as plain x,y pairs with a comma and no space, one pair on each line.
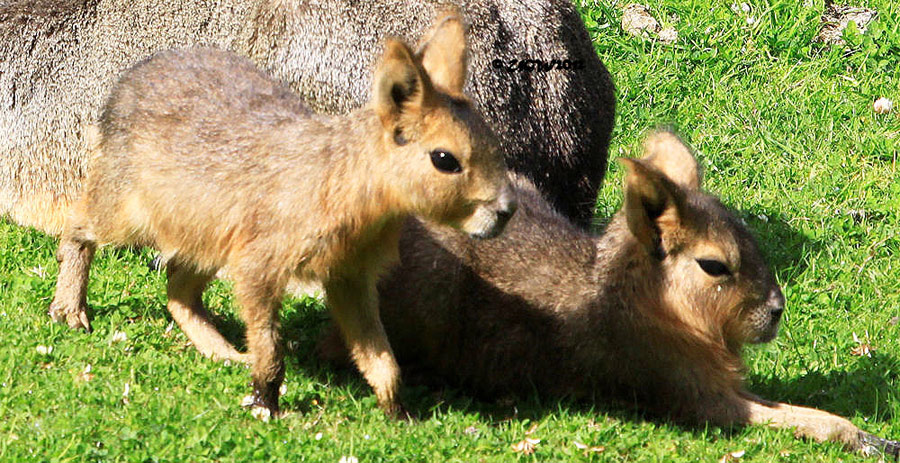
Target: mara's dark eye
445,162
713,267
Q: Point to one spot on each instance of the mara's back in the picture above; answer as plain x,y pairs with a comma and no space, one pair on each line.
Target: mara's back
192,140
500,306
199,108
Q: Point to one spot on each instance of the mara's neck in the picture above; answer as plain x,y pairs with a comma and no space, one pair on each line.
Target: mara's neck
347,162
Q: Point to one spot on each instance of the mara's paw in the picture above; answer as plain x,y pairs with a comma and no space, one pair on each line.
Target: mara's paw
76,318
874,446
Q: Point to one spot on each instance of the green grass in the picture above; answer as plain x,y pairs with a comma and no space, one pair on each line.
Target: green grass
787,136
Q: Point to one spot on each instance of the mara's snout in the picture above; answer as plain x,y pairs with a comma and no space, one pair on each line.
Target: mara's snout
770,321
491,217
763,319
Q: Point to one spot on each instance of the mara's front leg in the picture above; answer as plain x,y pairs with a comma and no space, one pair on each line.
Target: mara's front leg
817,425
353,303
260,299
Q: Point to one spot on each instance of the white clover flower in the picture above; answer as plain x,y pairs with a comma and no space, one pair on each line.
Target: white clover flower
261,413
119,336
883,105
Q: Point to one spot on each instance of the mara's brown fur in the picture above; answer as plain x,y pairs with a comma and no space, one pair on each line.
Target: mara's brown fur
60,58
655,309
215,164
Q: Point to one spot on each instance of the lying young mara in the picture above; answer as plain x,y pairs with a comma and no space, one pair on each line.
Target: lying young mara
653,310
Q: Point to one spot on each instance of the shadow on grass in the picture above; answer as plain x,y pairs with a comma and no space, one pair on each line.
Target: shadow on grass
137,308
784,248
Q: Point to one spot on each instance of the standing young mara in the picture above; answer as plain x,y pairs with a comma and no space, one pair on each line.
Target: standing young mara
204,157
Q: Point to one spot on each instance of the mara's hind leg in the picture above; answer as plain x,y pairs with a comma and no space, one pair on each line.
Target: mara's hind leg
185,287
354,305
75,253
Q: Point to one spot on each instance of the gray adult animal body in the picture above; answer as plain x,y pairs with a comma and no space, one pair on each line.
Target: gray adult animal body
59,59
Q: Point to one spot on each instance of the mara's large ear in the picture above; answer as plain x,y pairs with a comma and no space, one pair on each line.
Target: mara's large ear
399,83
653,206
668,154
444,53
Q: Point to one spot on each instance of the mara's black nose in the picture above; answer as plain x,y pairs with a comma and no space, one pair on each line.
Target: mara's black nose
776,312
776,303
508,202
504,215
